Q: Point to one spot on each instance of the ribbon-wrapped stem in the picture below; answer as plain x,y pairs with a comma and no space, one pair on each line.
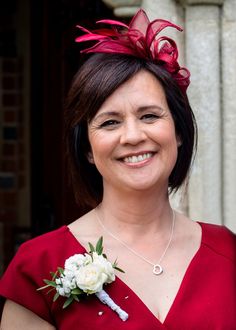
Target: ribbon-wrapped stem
105,299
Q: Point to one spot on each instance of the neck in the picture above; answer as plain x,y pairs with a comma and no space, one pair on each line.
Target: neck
138,213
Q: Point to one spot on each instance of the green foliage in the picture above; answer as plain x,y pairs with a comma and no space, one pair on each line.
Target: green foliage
91,247
99,247
76,291
50,283
117,268
56,296
68,301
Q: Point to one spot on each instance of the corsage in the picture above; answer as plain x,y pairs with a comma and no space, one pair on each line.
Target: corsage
85,274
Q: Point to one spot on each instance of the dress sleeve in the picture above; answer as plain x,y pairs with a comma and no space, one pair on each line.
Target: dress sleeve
22,278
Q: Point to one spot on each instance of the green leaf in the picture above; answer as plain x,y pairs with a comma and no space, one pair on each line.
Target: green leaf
50,283
56,296
68,302
60,270
76,298
54,275
76,291
119,269
91,247
115,263
99,247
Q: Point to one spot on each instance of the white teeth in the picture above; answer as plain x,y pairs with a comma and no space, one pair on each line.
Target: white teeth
136,159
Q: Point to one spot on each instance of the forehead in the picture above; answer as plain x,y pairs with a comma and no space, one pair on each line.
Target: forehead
143,89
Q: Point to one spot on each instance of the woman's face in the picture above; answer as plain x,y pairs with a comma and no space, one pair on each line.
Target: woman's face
132,136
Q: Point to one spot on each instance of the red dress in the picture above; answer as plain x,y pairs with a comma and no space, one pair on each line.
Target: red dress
206,299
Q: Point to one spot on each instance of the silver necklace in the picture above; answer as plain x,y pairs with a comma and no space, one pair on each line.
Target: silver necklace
157,268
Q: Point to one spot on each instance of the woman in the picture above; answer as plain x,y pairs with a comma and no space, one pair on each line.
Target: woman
130,134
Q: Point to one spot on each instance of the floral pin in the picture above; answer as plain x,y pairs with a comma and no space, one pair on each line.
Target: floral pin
85,274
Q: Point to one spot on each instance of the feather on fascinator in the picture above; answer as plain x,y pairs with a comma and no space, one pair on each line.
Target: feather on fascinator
139,39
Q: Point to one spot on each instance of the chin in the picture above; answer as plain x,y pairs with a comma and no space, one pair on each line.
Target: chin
142,186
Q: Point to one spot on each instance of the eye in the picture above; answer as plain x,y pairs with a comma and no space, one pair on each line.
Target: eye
149,117
110,123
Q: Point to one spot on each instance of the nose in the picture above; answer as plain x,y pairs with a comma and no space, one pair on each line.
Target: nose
132,133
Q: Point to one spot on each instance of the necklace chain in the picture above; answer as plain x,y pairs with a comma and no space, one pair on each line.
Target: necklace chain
157,268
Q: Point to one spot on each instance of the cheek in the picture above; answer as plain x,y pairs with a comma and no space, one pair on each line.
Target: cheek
167,140
165,134
171,133
102,142
100,146
94,141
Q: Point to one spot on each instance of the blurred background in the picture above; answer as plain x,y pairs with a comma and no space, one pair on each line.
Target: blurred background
38,58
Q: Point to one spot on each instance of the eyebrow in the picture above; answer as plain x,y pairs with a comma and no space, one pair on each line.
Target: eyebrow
149,107
139,110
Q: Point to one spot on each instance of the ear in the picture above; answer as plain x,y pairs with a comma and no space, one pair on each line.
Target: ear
90,157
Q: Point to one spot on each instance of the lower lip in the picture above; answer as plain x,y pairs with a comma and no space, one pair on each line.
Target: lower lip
139,164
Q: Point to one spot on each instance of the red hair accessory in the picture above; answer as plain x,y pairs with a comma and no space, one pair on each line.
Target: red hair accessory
139,39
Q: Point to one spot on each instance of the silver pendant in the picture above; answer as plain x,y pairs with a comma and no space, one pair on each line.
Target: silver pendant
157,269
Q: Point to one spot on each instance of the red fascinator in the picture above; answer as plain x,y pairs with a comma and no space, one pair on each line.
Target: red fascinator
139,39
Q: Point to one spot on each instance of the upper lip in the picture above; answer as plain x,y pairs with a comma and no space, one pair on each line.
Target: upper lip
136,153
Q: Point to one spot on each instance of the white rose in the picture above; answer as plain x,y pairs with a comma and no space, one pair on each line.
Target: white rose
90,278
105,265
76,261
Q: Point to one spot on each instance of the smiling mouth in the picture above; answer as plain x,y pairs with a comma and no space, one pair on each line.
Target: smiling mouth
138,158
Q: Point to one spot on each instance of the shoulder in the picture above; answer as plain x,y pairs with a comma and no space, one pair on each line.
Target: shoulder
51,238
48,242
219,239
49,250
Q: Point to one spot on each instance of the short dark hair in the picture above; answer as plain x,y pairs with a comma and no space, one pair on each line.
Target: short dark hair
98,78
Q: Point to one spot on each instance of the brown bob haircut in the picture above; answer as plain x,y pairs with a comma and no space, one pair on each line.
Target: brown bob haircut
98,78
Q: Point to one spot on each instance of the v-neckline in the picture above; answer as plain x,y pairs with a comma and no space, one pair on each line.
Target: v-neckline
180,290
